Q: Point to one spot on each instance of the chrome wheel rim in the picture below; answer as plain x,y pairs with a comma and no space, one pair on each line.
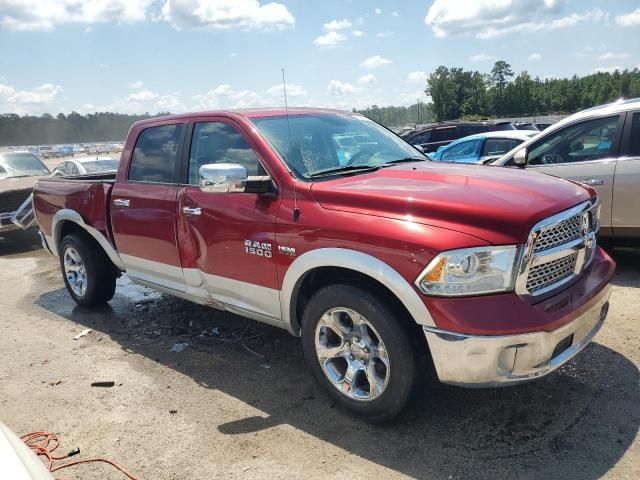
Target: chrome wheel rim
75,271
352,354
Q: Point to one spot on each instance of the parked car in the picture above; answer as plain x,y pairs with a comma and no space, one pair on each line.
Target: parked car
78,150
47,151
430,138
86,166
601,148
19,171
482,147
65,150
543,125
378,263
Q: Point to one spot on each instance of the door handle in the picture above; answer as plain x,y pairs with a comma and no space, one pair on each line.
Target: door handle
121,202
595,181
192,210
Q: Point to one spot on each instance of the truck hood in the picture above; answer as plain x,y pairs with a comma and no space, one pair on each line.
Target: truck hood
495,204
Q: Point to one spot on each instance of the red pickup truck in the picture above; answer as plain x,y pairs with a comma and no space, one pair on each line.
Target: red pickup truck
328,225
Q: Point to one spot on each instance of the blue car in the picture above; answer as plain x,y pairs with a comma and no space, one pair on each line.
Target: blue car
482,147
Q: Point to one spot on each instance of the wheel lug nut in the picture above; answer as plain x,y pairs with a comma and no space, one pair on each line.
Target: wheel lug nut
366,349
357,339
351,357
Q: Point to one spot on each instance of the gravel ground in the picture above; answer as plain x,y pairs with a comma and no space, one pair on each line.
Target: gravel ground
245,406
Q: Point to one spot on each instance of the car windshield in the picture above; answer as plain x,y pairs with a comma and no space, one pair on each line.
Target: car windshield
100,166
22,165
324,144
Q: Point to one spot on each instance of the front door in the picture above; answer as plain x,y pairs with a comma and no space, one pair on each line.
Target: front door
144,208
227,240
585,151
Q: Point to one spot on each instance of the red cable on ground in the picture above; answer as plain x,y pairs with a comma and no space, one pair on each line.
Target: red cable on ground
45,443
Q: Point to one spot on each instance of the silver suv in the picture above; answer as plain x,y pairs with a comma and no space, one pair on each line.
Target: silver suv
601,148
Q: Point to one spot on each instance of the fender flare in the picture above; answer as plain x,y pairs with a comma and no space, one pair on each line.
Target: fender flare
69,215
352,260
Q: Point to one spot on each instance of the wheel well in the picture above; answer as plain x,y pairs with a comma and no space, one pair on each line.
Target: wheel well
321,277
68,227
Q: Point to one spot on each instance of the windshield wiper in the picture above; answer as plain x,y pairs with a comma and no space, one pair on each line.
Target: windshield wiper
344,169
405,160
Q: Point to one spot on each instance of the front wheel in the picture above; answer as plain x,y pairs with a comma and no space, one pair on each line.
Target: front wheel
88,274
358,348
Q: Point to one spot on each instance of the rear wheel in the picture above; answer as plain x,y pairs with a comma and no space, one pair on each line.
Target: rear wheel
359,350
88,274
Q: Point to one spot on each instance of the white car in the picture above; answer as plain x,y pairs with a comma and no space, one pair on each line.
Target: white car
86,166
482,147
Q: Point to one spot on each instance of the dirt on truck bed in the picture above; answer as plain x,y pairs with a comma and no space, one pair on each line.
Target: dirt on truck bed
201,394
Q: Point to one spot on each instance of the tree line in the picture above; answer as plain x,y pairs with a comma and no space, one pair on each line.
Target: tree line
458,93
72,128
399,116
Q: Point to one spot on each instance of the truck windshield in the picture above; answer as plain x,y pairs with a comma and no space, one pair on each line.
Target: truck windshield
22,165
315,145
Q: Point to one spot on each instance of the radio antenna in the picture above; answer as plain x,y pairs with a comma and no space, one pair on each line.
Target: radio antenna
296,210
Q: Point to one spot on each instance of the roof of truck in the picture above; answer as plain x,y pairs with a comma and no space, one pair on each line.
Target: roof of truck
247,112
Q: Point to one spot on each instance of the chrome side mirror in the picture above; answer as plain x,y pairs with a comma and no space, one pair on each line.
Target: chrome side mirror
520,157
231,178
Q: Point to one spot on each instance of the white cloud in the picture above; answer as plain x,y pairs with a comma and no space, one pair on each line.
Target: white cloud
411,98
493,18
224,96
357,33
39,100
395,14
43,15
293,90
481,57
336,87
330,40
384,34
143,95
630,19
417,76
378,11
338,24
612,56
136,85
365,79
375,62
170,103
534,57
227,14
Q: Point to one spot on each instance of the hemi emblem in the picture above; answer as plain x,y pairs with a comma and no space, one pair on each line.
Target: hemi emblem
287,250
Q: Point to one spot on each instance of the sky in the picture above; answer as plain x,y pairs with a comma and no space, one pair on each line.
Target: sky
137,56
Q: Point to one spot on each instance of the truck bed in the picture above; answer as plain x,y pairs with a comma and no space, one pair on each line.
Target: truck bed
88,195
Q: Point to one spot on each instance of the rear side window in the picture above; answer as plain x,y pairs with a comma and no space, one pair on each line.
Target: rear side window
155,154
498,146
420,138
634,141
461,150
443,134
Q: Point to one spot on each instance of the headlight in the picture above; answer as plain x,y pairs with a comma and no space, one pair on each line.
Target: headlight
470,271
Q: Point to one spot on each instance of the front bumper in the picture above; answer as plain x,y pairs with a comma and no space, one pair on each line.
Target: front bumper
493,360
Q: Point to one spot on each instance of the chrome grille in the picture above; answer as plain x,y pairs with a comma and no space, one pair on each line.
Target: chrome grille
543,275
558,234
558,250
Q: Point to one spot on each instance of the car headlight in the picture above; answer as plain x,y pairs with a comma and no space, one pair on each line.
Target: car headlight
470,271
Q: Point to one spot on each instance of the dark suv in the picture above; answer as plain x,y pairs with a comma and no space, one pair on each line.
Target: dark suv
443,133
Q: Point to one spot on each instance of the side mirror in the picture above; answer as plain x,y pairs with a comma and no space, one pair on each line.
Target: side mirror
520,157
231,178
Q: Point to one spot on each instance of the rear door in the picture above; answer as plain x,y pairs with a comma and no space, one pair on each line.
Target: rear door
585,151
626,188
144,207
227,240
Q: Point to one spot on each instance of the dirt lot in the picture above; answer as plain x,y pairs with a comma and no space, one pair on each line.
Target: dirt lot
246,407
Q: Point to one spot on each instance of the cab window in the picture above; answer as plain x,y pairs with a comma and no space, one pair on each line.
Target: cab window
219,142
155,154
494,147
590,140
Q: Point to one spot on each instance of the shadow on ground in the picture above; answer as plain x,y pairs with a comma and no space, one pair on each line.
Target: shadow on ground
19,241
575,423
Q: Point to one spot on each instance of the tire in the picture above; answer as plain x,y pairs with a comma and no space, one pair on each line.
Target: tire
83,257
361,318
